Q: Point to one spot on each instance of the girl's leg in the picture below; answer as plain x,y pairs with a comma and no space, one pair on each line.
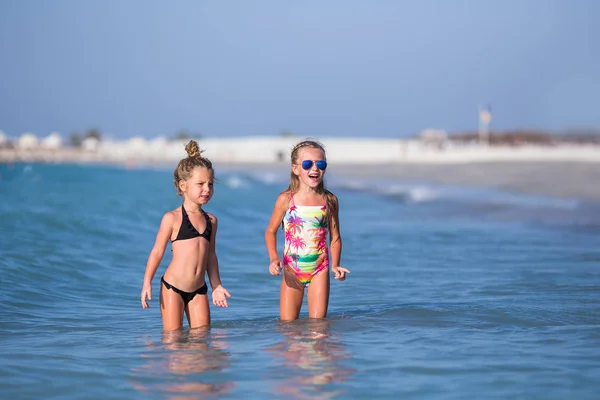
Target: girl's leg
198,311
290,296
171,308
318,295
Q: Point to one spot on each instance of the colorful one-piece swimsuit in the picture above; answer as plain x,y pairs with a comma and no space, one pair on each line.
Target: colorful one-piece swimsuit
305,230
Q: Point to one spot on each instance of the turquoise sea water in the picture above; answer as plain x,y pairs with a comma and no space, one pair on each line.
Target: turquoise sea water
454,293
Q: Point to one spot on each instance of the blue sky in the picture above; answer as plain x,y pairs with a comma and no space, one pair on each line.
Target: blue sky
317,68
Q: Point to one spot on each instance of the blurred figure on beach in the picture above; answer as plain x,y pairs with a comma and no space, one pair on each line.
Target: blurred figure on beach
307,212
192,232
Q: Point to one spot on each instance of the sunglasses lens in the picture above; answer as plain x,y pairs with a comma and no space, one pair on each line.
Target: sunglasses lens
307,164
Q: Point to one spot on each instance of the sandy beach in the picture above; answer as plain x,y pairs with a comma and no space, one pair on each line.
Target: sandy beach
557,179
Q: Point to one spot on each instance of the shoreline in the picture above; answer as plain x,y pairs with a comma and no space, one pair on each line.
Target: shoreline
567,179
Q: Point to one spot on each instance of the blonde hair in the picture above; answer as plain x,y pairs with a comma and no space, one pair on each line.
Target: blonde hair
294,184
186,166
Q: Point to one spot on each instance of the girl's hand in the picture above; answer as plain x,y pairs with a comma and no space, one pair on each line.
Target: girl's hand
146,294
275,267
340,272
219,296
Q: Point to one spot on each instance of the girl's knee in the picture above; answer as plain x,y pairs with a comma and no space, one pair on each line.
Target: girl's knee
171,326
317,311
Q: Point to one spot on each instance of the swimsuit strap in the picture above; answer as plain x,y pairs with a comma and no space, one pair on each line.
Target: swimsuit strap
208,230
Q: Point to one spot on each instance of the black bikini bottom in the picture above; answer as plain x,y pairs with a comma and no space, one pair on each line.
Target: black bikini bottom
186,296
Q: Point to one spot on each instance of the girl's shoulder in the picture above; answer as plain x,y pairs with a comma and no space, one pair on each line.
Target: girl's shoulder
285,193
174,213
170,218
284,198
212,217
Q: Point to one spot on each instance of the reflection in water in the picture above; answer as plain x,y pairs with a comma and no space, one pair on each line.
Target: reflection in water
309,360
189,366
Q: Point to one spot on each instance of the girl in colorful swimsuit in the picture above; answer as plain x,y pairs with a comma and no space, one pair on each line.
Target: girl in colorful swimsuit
192,232
308,212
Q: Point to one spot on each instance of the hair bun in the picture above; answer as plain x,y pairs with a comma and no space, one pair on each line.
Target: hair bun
193,150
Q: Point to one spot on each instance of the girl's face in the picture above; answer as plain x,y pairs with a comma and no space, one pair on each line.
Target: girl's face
312,176
199,187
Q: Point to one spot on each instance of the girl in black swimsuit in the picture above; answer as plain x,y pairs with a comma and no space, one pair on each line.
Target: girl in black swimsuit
192,232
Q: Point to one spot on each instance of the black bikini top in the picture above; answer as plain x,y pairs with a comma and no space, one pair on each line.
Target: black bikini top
187,230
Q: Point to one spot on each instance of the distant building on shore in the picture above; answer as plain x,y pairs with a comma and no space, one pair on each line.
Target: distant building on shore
90,144
27,141
52,142
437,138
4,141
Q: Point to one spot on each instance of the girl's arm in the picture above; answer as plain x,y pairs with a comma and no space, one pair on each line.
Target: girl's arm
335,243
156,254
212,267
281,206
219,293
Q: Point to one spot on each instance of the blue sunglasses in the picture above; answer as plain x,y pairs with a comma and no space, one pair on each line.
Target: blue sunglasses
307,164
